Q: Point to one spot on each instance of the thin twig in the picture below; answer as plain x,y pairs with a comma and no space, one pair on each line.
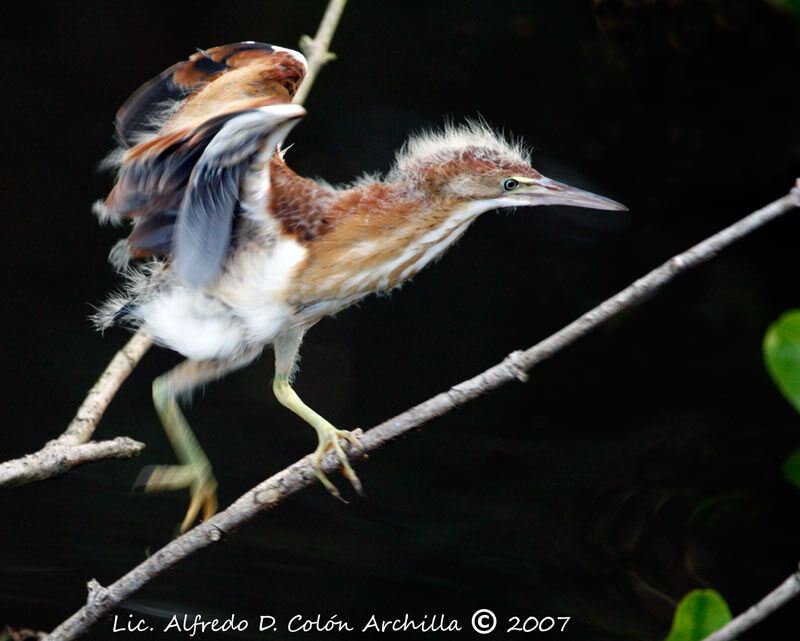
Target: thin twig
61,454
317,49
781,595
300,474
91,410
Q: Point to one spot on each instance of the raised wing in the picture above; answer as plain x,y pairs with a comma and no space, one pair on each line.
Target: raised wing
180,180
145,111
205,216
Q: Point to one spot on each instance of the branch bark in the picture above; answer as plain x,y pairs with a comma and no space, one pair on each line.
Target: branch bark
72,447
781,595
55,458
300,474
316,49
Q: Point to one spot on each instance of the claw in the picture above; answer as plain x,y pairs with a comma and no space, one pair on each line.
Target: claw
329,438
199,480
204,496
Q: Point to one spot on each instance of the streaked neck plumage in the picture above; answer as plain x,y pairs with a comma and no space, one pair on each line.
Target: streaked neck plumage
367,238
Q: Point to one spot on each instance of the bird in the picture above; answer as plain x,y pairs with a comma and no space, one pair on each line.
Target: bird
230,251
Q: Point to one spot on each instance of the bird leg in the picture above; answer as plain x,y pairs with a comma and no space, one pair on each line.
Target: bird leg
194,471
286,350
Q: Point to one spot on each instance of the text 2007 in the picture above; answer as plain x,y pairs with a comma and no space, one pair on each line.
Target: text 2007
534,624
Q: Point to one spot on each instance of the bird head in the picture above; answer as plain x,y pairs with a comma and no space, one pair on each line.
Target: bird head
472,164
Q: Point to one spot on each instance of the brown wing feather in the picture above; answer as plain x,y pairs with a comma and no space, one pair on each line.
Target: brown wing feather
141,113
154,176
161,175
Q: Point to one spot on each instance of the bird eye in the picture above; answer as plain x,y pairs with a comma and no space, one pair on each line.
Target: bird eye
509,184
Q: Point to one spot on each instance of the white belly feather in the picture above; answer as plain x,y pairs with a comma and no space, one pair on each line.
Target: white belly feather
245,307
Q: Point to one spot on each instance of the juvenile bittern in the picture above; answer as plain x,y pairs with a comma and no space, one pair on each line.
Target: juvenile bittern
241,252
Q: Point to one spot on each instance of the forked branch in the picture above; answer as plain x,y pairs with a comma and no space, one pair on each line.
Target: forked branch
515,366
72,448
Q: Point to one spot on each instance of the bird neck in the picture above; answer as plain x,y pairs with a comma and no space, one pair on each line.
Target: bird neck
309,210
377,235
301,206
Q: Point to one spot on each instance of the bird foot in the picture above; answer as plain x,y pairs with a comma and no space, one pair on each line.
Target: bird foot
329,438
197,478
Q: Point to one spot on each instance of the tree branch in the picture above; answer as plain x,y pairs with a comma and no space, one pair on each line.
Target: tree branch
54,459
72,447
316,49
781,595
91,410
300,474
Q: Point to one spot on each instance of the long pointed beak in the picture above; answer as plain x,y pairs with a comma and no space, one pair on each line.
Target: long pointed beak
544,191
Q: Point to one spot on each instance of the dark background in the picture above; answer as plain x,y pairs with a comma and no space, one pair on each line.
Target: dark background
634,466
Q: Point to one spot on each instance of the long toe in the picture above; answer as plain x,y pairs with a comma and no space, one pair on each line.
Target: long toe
316,463
347,469
198,479
160,478
203,495
329,438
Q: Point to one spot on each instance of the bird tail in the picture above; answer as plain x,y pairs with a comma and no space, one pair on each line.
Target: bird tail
117,310
142,282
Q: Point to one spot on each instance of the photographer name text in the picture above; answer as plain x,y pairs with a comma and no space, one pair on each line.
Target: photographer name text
483,621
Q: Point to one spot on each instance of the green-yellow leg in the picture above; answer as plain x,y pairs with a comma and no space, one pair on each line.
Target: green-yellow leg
194,472
286,349
328,436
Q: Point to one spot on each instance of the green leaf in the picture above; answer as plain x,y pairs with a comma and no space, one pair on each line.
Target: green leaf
792,6
782,355
699,613
791,468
